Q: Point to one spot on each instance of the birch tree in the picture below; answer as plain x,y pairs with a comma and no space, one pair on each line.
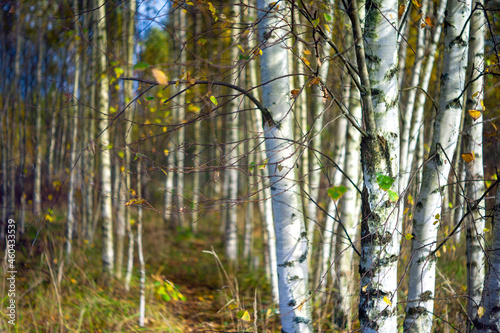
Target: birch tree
70,219
380,160
489,321
474,169
291,236
429,204
105,168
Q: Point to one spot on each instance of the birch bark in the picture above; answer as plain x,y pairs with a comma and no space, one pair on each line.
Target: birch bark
70,219
291,236
474,170
429,204
105,169
380,160
489,322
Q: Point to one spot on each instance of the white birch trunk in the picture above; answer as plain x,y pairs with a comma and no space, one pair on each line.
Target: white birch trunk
181,133
474,169
291,236
265,193
380,158
37,196
231,232
70,219
489,322
140,252
105,170
429,204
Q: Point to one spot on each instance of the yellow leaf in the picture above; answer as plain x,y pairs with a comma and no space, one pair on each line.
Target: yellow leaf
122,168
480,311
73,281
50,197
437,217
189,3
306,52
166,151
132,221
295,93
406,211
315,81
257,52
468,157
244,315
159,76
387,300
475,94
475,114
485,230
305,61
327,28
435,222
408,236
364,288
191,81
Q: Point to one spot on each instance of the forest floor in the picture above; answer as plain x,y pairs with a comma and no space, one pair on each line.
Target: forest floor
187,288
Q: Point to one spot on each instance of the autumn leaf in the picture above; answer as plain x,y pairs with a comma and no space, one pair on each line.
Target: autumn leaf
243,315
408,236
159,76
257,52
475,114
416,3
307,52
315,81
214,100
480,311
387,300
295,93
468,157
305,61
428,21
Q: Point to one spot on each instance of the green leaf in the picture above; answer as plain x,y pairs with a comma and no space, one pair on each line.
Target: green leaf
251,166
214,100
118,71
149,98
337,192
243,315
263,164
385,182
315,22
141,65
393,196
137,156
327,16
